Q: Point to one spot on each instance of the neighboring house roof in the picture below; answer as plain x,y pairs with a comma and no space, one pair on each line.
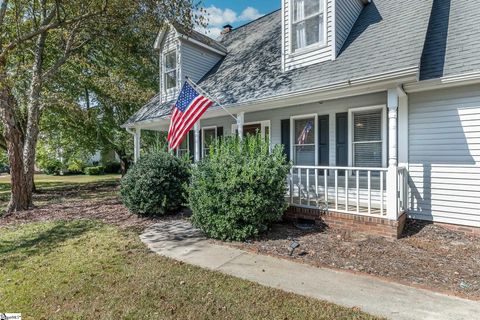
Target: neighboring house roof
388,35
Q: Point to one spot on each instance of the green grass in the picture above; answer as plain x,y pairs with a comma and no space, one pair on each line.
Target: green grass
84,269
45,182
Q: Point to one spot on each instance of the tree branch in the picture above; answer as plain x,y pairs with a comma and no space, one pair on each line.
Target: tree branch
50,26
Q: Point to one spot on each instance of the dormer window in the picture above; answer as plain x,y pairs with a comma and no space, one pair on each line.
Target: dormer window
308,24
170,74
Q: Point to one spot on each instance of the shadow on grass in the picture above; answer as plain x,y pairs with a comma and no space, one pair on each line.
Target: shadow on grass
33,242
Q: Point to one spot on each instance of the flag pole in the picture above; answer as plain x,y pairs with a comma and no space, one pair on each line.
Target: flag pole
209,97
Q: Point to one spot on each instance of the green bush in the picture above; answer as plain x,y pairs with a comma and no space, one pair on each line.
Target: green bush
76,166
52,167
156,184
95,171
239,189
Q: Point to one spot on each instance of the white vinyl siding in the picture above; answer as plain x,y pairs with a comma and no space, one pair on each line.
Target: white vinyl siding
306,57
197,61
444,155
346,13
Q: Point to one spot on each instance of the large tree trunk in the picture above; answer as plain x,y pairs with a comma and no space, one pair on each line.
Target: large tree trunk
31,134
20,196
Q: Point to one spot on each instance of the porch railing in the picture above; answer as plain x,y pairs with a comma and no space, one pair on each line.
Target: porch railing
353,190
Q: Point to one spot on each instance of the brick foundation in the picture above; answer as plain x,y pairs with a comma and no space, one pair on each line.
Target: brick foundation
466,230
349,222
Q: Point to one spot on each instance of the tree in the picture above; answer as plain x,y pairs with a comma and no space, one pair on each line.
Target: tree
37,38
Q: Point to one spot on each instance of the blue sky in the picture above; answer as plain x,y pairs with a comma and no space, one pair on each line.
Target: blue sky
235,12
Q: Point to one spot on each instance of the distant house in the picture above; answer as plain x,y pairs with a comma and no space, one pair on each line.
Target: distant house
388,92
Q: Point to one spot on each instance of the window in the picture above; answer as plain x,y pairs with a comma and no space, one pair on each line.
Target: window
368,138
261,127
304,148
170,74
308,23
183,147
208,137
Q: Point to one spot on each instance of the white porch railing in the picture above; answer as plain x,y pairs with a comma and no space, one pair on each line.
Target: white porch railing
353,190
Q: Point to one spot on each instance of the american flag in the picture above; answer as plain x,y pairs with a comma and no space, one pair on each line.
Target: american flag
303,136
190,106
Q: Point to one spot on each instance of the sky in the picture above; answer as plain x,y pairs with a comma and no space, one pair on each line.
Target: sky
235,12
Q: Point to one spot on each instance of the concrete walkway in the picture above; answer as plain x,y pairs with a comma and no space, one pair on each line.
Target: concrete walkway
178,240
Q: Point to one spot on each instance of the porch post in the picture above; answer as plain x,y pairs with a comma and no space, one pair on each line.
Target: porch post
136,144
240,121
392,175
196,131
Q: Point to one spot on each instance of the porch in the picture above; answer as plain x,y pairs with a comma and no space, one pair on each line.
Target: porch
350,190
349,154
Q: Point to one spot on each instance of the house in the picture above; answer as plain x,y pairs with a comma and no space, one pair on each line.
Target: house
389,92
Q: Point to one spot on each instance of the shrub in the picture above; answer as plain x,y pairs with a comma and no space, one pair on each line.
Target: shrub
156,184
52,167
94,171
112,167
239,190
76,166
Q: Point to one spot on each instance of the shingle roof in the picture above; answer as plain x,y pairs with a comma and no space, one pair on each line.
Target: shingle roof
453,40
388,35
193,34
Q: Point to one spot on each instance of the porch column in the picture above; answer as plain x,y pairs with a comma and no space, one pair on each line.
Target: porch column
136,144
240,121
392,180
196,132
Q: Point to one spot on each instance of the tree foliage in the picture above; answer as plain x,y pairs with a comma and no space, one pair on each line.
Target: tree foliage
38,38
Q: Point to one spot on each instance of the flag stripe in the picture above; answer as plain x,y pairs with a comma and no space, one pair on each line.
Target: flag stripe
188,109
177,139
192,121
184,120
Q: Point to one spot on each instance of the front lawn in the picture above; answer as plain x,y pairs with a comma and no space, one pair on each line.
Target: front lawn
86,268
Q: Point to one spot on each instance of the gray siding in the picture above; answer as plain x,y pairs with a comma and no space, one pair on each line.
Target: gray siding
301,59
196,61
444,155
276,115
346,13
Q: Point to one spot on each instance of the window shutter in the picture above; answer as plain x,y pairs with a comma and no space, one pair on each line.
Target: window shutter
285,137
191,144
342,138
323,140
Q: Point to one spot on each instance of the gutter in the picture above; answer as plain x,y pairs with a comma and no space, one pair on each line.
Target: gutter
369,84
444,82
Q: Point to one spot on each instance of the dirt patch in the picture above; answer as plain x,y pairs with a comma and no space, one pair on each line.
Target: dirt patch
93,201
427,256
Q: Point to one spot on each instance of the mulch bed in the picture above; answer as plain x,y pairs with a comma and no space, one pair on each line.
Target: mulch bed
92,201
428,255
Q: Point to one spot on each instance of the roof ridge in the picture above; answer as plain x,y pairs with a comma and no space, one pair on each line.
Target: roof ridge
259,18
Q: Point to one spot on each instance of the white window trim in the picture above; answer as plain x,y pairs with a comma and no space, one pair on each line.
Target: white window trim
263,125
292,133
384,132
203,136
187,138
314,46
165,71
